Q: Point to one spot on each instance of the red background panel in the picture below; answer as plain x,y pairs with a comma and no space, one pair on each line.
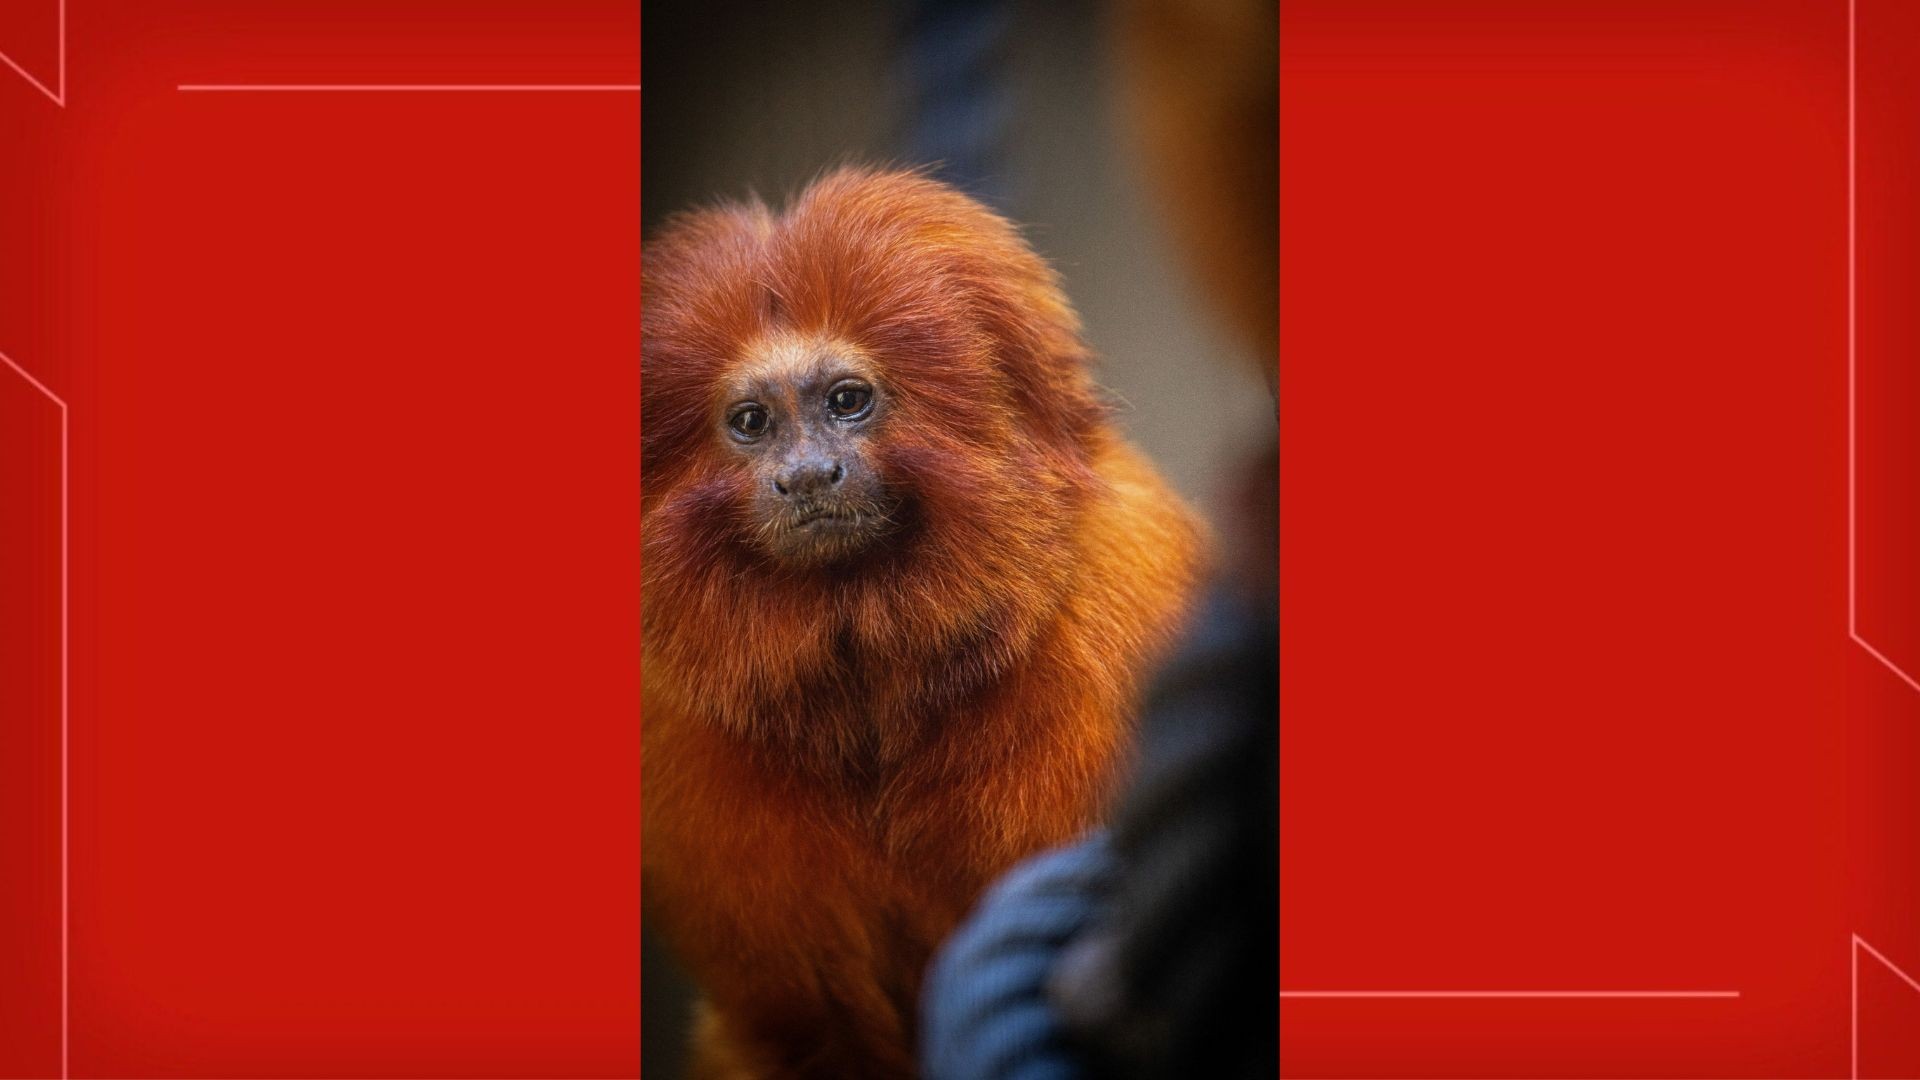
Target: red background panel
354,392
1569,699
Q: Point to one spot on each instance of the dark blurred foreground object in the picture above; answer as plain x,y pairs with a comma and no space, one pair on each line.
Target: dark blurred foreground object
986,1008
1178,976
1151,953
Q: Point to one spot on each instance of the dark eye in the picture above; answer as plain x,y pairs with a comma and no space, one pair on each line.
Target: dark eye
749,421
850,401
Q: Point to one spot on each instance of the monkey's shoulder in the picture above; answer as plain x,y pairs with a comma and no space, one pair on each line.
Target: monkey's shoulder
1143,551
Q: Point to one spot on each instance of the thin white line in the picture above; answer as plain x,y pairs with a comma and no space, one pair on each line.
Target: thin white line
1891,966
1478,994
58,97
1853,351
66,680
1891,666
65,698
1858,944
37,84
1853,1013
35,383
408,88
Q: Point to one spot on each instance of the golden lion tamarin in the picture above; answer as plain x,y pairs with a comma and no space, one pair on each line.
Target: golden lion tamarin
902,580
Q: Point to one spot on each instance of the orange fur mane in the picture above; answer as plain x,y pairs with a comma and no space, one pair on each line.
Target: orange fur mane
839,757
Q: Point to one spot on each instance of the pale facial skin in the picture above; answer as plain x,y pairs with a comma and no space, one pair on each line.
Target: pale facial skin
799,417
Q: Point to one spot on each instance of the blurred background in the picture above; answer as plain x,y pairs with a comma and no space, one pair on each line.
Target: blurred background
1041,108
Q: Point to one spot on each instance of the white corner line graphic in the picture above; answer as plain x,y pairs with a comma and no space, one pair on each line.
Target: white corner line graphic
409,88
56,93
1891,666
1860,943
65,697
1853,358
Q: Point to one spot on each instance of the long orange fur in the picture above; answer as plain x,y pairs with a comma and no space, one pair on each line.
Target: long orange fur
839,758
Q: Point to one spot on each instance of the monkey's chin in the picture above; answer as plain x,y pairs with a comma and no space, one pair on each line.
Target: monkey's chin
822,540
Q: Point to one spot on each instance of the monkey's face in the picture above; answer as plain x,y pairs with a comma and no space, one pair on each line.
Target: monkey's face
883,377
797,420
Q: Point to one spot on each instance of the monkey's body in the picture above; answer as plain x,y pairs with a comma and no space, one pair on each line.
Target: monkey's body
843,749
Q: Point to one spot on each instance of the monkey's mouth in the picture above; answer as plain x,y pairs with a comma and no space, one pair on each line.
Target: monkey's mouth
815,534
826,521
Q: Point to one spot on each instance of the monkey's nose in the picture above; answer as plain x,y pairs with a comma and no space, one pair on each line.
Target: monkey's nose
809,477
